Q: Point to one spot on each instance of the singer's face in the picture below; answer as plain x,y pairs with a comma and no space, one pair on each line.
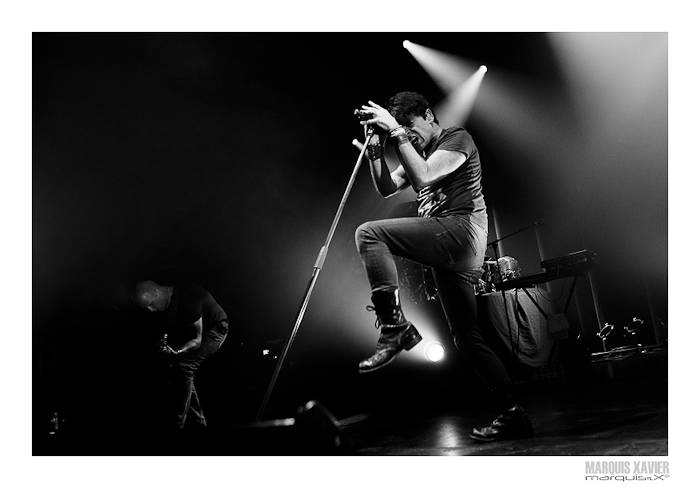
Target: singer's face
420,132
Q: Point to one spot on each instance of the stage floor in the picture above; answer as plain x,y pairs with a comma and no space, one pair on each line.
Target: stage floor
619,408
603,418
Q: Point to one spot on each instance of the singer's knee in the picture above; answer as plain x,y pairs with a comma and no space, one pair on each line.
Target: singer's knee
365,233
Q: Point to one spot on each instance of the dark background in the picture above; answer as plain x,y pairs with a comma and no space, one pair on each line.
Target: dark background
221,158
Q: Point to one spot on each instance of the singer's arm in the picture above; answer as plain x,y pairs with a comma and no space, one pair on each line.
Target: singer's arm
386,182
422,172
414,169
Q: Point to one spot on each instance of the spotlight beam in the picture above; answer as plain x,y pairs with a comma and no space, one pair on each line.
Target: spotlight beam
447,70
455,109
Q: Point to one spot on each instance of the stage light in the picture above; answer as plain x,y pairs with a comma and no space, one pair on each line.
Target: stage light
447,70
483,68
456,107
434,351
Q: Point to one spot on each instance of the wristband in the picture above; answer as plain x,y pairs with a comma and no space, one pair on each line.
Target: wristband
374,151
398,135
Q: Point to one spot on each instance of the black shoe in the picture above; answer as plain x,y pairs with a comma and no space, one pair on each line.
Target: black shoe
391,342
397,333
514,424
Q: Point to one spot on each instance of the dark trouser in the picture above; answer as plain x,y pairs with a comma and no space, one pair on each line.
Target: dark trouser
454,248
182,372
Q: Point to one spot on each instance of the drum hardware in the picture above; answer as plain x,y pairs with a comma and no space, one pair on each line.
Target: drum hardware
499,271
633,327
606,332
620,337
416,282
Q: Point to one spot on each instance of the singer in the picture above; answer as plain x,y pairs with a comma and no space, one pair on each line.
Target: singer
449,235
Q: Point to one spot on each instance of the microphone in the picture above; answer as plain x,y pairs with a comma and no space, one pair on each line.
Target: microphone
365,116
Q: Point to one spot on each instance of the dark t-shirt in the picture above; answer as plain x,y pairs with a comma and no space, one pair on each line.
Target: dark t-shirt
459,193
188,303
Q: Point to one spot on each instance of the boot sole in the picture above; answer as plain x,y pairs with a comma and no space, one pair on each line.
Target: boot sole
406,347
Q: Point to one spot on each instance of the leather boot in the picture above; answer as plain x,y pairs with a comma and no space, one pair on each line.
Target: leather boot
514,423
396,333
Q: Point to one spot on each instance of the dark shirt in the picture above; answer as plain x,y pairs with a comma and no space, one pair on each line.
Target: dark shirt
188,303
458,193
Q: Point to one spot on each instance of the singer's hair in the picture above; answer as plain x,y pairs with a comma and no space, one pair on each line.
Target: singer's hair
406,105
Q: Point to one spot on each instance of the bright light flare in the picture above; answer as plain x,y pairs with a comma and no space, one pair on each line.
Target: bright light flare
483,68
456,107
447,70
434,351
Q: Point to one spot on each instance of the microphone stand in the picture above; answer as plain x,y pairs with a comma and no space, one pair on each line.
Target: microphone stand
314,276
493,243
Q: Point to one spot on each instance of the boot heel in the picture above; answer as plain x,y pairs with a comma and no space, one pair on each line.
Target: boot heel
413,342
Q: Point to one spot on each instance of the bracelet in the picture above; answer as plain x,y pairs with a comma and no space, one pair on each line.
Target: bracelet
398,135
397,129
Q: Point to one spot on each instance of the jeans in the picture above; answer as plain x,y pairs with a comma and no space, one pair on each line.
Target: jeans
454,247
185,398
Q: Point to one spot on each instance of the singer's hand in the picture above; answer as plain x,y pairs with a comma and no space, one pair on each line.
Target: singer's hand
375,146
380,117
377,135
